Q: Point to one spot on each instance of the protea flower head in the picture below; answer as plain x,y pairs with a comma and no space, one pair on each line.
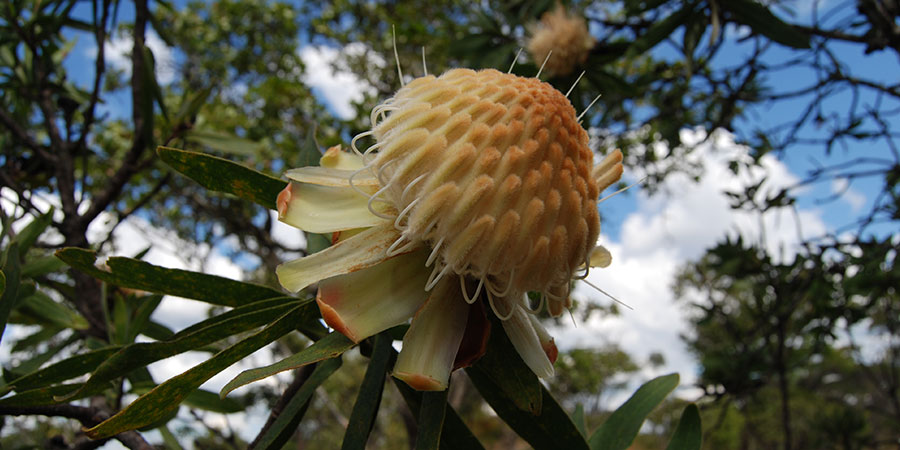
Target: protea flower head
563,34
480,188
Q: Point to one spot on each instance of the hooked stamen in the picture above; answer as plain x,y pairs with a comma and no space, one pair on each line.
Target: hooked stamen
497,313
607,294
434,252
465,291
432,280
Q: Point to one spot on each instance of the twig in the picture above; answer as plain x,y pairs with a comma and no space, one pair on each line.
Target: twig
88,416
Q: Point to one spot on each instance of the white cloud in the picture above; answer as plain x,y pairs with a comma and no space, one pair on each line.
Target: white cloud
118,54
855,199
330,77
664,233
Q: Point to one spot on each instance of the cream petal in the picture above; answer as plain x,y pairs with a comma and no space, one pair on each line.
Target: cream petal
432,342
325,176
525,339
325,209
334,158
600,257
358,252
362,303
547,342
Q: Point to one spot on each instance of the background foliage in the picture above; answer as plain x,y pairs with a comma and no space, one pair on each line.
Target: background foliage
774,335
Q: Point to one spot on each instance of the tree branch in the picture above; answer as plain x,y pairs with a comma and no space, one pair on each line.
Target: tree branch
87,416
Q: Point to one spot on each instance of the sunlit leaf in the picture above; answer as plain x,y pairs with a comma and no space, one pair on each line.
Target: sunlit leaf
328,347
135,274
689,434
619,431
580,420
165,398
286,423
222,175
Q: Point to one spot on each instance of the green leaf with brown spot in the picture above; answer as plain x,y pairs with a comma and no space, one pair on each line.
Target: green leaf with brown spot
164,399
222,175
136,274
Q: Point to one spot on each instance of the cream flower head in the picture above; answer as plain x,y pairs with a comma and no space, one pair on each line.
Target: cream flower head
563,34
480,188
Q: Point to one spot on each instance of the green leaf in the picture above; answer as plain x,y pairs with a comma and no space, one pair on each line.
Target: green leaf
135,274
362,418
169,439
37,359
210,401
46,311
309,154
191,103
551,429
580,420
10,269
689,433
431,420
145,307
455,435
2,283
165,398
222,175
223,142
762,21
199,335
63,370
28,236
286,423
43,265
505,368
619,431
328,347
40,396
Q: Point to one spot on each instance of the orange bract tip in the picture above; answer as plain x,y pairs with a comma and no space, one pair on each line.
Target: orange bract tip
420,382
284,200
333,319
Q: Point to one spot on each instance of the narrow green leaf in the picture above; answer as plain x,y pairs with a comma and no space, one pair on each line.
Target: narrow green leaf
41,396
28,236
580,420
10,269
362,418
431,420
165,398
503,365
286,423
689,433
46,311
36,360
28,343
135,274
2,283
455,435
328,347
199,335
762,21
210,401
153,84
169,439
191,103
63,370
551,429
223,142
619,431
309,153
222,175
42,265
145,307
